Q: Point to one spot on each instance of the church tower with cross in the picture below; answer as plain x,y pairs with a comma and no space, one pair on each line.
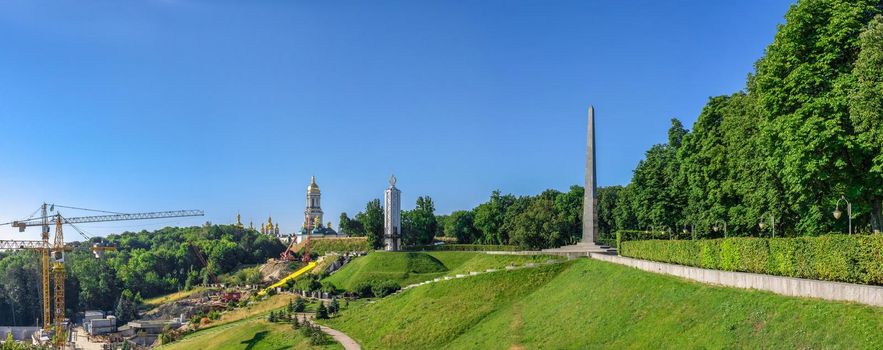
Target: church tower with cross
313,212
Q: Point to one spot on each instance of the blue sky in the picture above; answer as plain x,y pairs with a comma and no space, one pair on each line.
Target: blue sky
231,106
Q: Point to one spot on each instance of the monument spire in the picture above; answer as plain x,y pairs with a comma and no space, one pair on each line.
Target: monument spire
590,198
392,216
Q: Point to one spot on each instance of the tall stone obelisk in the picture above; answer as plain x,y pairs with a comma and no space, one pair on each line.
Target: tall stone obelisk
590,199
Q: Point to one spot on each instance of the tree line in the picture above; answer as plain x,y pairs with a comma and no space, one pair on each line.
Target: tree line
419,225
146,264
806,132
550,219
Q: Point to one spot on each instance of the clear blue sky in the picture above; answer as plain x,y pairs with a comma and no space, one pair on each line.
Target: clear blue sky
231,106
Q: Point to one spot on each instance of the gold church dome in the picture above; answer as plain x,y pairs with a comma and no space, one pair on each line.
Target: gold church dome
313,187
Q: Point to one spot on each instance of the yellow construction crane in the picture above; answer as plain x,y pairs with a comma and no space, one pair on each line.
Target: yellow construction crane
57,249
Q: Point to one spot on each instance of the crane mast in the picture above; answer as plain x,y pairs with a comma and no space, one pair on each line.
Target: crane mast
57,249
58,272
44,257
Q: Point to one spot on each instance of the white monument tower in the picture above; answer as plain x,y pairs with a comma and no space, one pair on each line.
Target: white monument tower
392,216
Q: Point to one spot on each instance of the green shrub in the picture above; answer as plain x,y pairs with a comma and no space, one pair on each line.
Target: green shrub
638,235
384,288
832,257
363,289
871,258
709,253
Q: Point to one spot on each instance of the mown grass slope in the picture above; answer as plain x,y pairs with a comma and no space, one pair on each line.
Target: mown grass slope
592,304
410,267
434,315
251,334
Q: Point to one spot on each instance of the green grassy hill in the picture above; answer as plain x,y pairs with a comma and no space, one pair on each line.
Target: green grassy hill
250,334
593,304
412,267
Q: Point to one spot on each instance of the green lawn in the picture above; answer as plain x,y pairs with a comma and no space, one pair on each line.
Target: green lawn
592,304
250,334
412,267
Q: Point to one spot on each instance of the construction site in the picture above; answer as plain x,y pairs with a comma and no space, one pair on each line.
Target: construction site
214,284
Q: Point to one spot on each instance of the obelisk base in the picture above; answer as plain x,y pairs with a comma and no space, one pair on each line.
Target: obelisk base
580,249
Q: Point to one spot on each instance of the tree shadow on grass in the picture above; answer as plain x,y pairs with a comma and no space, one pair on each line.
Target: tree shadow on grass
250,344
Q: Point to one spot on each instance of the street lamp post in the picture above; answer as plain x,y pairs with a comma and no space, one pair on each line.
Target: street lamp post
691,230
838,213
717,228
772,223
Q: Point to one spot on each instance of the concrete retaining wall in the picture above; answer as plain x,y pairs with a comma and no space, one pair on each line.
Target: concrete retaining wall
18,333
859,293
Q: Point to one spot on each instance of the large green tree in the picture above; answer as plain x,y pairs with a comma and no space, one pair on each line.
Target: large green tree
350,227
460,224
607,201
866,114
489,218
535,222
419,226
372,221
802,86
659,191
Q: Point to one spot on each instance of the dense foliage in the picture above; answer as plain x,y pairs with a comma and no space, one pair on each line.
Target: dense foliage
550,219
844,258
419,226
146,263
808,130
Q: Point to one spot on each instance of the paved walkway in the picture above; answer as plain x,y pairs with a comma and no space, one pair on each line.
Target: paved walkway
345,340
476,273
341,337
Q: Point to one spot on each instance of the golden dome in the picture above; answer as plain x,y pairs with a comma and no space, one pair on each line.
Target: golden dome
313,187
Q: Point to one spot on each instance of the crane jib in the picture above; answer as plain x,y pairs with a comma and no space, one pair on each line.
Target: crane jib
114,217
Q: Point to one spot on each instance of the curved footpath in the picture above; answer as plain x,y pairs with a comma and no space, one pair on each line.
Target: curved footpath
345,340
341,337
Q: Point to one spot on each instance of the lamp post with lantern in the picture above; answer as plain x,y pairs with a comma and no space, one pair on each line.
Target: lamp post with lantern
837,213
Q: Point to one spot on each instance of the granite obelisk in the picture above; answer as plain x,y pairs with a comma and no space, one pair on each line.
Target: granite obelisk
590,199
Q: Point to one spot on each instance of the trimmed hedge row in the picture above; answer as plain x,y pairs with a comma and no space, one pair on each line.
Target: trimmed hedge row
464,247
835,257
638,235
